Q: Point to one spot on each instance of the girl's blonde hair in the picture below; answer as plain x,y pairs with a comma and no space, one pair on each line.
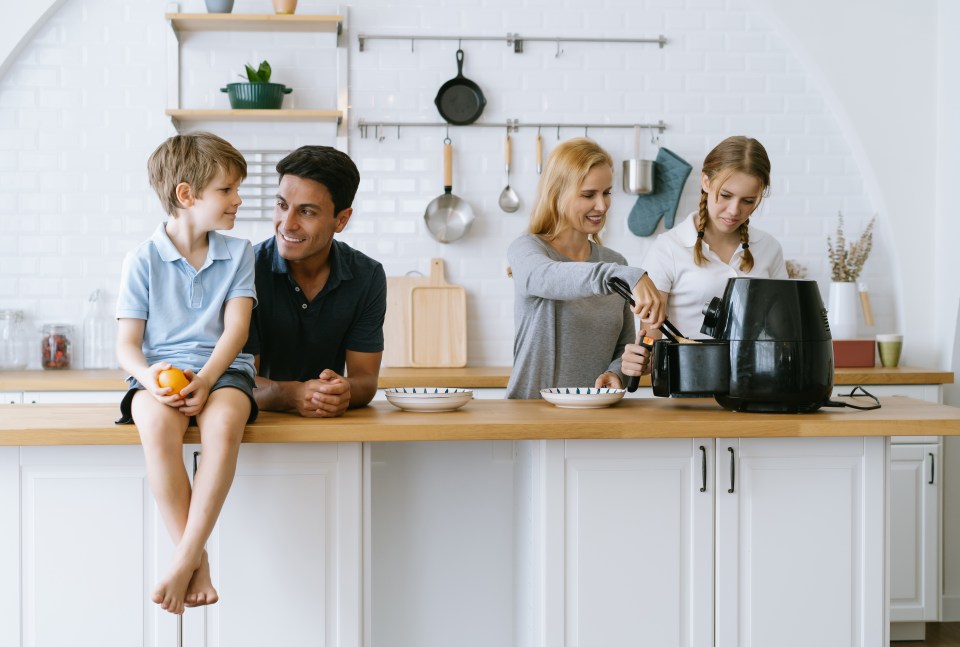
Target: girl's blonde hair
195,159
732,155
566,168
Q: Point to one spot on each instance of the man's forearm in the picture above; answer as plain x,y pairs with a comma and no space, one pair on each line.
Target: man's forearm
275,396
362,389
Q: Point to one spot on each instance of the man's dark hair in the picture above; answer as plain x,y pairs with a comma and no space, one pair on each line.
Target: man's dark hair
332,168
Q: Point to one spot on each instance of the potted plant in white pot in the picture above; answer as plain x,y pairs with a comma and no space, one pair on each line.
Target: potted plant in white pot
257,93
846,263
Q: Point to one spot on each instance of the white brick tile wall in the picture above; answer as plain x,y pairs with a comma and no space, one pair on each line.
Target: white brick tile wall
82,107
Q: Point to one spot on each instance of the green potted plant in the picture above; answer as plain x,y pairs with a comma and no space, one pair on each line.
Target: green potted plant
257,93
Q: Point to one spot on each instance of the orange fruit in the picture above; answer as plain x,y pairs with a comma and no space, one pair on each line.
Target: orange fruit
174,378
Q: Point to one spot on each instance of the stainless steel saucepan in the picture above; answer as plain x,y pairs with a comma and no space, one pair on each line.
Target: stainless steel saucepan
448,217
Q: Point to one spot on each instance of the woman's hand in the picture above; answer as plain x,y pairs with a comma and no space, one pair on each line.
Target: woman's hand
650,306
608,380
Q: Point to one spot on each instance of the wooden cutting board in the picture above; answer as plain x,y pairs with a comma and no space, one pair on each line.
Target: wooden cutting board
426,322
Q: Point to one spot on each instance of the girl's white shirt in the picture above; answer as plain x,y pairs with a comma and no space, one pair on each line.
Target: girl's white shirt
690,287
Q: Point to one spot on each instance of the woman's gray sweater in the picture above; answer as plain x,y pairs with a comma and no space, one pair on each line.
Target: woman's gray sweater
570,326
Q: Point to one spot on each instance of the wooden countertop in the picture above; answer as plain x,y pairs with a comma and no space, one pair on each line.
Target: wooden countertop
67,424
471,377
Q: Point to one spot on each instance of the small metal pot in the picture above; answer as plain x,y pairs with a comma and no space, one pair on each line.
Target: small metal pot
638,176
637,173
448,217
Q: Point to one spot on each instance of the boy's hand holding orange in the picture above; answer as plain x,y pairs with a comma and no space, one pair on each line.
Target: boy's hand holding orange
172,378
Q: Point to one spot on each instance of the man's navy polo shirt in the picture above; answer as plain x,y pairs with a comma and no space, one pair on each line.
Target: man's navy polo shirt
296,340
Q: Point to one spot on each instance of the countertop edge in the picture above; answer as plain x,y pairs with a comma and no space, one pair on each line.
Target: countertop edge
39,425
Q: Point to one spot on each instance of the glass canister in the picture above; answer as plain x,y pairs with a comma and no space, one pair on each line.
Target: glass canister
13,341
55,346
99,334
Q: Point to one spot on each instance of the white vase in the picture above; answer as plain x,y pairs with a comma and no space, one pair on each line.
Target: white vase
842,309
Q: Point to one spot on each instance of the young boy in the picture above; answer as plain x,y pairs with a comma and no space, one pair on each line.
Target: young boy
185,300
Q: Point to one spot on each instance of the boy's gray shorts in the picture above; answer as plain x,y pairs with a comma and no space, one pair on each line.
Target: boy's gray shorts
232,378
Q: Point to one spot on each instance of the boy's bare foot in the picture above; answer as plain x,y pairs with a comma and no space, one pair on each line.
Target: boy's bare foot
200,591
170,592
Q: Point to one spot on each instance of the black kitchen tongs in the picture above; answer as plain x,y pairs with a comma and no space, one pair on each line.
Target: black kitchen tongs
669,331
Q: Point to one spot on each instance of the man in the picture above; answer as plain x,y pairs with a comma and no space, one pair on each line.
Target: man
321,303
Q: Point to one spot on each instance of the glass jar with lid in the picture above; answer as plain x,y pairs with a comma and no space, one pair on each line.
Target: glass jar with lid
55,346
13,341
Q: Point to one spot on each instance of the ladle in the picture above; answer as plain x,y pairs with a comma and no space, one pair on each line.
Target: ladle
509,200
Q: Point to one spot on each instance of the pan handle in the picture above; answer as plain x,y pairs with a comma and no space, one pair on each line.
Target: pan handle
447,166
539,153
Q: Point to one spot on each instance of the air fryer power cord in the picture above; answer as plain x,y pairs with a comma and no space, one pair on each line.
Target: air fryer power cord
853,393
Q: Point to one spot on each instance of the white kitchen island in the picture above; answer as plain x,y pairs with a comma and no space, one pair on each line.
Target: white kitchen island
613,540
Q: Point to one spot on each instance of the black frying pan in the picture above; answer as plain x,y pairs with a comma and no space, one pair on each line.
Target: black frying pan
460,100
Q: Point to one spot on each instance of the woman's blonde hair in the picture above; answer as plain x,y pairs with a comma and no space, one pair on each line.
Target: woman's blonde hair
566,168
732,155
194,159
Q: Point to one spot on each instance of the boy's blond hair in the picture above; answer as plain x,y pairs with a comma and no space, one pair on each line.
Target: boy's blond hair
195,159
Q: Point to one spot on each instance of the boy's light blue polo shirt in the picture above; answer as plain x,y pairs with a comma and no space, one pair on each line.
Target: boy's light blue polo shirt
183,307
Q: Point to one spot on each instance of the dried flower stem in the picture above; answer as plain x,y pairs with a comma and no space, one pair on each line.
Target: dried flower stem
846,261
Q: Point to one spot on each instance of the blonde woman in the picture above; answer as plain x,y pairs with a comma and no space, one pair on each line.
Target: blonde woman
690,264
571,328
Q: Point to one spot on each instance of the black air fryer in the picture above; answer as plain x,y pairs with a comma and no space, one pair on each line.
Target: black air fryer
771,352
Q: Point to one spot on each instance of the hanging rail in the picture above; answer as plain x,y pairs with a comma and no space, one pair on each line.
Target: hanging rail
515,40
512,125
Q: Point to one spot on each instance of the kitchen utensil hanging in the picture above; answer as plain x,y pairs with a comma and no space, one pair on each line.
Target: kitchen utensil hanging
539,152
448,217
460,100
509,200
637,173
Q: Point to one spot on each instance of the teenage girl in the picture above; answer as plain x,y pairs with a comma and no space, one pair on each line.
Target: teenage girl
690,264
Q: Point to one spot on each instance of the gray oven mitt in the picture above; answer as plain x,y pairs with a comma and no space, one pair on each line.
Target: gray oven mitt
670,172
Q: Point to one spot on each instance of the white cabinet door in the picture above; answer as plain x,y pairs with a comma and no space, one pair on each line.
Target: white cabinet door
87,533
800,535
628,542
285,555
440,533
10,546
11,397
914,509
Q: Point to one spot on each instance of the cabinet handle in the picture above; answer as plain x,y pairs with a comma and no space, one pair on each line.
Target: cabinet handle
932,459
196,455
733,470
703,468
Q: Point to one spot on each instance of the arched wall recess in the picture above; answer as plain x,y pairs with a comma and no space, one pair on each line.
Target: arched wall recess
865,112
20,24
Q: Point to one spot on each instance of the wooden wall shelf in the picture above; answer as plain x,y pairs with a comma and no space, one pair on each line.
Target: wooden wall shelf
180,115
183,22
336,24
